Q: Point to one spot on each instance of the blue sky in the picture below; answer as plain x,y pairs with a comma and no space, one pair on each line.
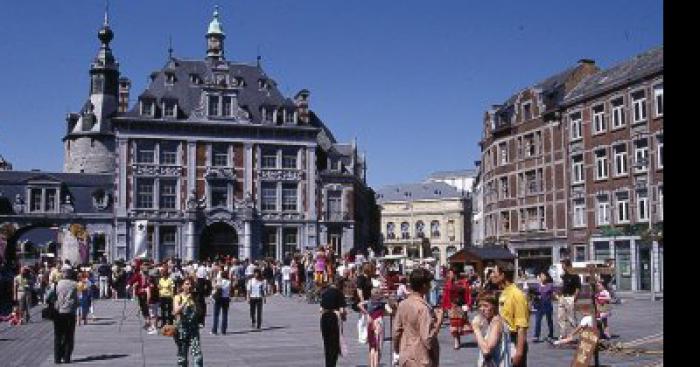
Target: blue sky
409,79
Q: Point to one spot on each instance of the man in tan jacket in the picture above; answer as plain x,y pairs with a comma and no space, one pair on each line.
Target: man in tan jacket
417,325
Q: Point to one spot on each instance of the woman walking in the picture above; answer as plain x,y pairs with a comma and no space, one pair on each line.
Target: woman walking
166,289
454,297
222,299
332,315
256,298
187,325
490,333
545,292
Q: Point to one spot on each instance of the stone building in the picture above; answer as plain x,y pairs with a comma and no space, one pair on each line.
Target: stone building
4,164
215,160
522,170
613,126
462,180
424,219
477,225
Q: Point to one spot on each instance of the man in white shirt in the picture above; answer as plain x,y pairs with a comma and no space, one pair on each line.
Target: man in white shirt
250,269
286,280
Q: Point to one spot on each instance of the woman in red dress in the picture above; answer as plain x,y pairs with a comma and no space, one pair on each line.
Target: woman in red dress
456,297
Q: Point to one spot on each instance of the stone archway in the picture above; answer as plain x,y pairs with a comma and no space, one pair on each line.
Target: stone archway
218,239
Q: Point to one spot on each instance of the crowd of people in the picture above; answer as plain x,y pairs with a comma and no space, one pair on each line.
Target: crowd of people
172,298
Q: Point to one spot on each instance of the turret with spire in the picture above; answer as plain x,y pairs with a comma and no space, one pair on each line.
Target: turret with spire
215,38
89,142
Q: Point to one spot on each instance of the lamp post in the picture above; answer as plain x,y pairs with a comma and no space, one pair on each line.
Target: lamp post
639,164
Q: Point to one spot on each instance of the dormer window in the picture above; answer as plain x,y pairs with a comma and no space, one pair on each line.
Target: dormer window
240,82
213,105
169,78
195,79
227,106
262,84
153,76
527,111
169,108
148,107
43,199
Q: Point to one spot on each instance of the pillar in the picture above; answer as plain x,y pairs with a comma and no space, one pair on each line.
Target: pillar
190,252
246,240
634,257
123,153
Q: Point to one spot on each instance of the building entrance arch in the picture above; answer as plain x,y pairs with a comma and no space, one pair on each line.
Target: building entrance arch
218,239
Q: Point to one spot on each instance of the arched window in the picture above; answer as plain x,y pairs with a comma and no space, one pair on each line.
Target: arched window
397,250
420,226
435,229
451,251
390,235
404,231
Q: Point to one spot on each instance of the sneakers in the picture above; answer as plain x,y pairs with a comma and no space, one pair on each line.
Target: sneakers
152,331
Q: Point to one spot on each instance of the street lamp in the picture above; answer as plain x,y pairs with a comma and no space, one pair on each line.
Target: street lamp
644,162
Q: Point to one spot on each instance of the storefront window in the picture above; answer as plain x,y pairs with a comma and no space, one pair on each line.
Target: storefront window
623,264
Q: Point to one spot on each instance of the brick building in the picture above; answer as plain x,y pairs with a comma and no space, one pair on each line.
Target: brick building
522,170
614,133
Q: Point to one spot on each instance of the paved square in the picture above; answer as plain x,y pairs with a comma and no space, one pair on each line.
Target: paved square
290,337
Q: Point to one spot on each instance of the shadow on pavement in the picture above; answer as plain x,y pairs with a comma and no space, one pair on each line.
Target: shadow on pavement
255,330
102,357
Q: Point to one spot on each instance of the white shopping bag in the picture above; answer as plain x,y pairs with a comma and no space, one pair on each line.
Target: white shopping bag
362,329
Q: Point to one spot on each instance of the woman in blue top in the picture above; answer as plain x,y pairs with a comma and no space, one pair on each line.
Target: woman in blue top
544,295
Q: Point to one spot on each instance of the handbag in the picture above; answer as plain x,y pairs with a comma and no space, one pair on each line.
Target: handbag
168,330
362,331
49,312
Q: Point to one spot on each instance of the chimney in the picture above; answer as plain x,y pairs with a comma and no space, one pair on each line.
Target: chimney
586,62
301,100
124,87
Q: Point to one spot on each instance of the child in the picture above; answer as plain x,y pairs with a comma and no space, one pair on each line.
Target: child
375,307
15,318
84,298
586,322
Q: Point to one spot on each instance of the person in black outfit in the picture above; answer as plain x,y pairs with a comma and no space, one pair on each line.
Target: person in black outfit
332,305
364,285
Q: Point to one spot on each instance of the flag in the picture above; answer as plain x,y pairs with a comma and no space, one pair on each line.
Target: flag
140,238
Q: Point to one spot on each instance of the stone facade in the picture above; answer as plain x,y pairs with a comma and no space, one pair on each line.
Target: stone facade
215,161
423,220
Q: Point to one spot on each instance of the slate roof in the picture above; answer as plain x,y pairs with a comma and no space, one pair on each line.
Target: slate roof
451,174
418,191
638,67
189,95
81,186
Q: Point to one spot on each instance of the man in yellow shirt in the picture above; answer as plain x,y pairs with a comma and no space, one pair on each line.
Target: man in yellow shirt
166,289
514,310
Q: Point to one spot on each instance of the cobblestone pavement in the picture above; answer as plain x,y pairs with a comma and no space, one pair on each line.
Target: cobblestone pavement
290,337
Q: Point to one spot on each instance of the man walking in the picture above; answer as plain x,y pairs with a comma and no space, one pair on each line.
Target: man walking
104,272
513,308
417,325
571,285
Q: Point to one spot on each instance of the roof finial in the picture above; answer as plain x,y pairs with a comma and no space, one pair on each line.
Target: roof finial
106,13
170,46
258,58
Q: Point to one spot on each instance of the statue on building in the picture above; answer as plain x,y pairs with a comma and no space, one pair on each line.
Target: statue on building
18,205
193,203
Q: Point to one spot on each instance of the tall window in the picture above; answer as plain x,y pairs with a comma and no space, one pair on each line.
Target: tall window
505,222
660,151
603,212
269,158
404,231
503,182
145,151
579,213
290,244
641,154
50,200
623,208
599,125
289,158
618,113
642,207
420,227
168,194
335,209
659,99
219,194
168,152
577,169
451,229
639,104
227,106
390,231
620,159
503,152
35,200
575,125
220,155
661,203
213,105
527,111
167,242
144,193
269,196
601,164
270,240
435,229
289,197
